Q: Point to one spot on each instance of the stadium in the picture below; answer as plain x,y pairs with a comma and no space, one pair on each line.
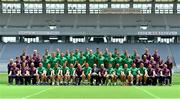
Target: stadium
89,49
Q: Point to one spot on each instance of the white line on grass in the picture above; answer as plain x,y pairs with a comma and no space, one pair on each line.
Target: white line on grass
147,92
37,93
92,98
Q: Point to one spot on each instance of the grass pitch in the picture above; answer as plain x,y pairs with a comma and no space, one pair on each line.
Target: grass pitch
89,92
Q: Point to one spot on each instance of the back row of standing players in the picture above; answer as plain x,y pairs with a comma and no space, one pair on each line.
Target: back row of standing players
105,67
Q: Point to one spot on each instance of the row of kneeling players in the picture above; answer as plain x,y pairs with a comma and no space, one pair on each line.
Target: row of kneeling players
98,75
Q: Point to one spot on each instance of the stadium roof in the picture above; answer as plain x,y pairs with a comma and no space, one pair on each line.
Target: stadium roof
91,0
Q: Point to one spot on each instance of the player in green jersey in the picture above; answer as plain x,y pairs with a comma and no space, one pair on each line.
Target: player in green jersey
97,52
119,73
62,59
65,73
90,59
128,61
110,60
86,73
119,60
72,59
142,74
81,59
67,55
53,60
100,59
135,53
86,53
77,53
57,53
46,53
106,53
49,74
40,72
45,61
57,71
116,52
129,76
110,74
134,72
72,73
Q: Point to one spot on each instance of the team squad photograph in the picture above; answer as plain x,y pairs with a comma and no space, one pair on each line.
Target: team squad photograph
102,67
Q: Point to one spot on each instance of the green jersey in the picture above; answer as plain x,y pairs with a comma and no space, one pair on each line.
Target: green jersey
53,61
114,55
71,71
123,56
110,60
119,61
56,70
41,70
96,54
126,71
133,56
72,60
110,71
48,56
134,71
57,55
67,55
87,70
45,63
91,59
118,70
81,60
100,60
62,60
142,70
48,71
65,70
128,61
105,55
77,54
86,53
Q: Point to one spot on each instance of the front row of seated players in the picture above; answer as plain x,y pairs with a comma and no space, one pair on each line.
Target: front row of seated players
123,75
